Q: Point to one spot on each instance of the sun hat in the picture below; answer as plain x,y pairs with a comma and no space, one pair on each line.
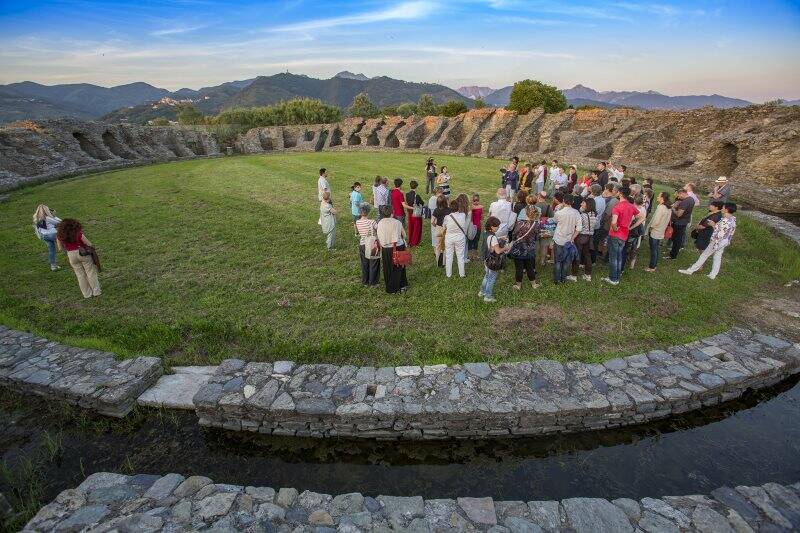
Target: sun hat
721,179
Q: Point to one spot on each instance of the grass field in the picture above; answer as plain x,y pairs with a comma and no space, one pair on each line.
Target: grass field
218,258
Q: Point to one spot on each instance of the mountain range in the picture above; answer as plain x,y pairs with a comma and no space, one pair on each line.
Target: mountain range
474,91
581,95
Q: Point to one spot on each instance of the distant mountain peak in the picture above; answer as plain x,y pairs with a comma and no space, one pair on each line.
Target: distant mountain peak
474,91
346,74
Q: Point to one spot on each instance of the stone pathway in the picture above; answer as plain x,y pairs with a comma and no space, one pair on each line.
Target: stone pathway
490,400
779,225
175,391
88,378
114,502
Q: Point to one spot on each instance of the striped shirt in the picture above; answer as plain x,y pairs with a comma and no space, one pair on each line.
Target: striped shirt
365,226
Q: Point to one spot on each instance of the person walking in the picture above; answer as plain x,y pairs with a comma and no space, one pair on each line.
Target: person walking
414,214
657,228
720,240
568,225
583,242
523,249
430,176
391,236
368,248
70,237
622,215
455,240
327,216
497,246
45,226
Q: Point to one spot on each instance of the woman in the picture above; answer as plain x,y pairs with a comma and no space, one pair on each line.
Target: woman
541,176
45,225
526,178
572,178
520,203
367,231
391,235
635,233
524,247
476,216
437,221
720,240
658,225
702,233
414,215
356,198
70,237
443,181
585,237
327,217
496,246
455,239
462,200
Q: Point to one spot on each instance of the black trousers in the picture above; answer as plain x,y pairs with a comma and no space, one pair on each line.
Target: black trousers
370,268
678,234
525,265
394,277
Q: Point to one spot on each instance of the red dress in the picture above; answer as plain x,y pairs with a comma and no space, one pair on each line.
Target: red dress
414,223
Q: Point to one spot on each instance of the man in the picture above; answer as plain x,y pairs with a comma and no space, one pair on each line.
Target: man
610,198
541,176
621,217
568,225
502,209
431,206
381,197
430,176
322,187
511,180
602,174
720,239
704,229
689,188
559,179
399,205
722,190
596,194
681,216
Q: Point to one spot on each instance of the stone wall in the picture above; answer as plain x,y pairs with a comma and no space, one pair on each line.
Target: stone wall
758,147
88,378
115,502
41,151
477,400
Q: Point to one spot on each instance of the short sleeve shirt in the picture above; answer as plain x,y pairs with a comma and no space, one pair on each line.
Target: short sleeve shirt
397,202
687,204
625,212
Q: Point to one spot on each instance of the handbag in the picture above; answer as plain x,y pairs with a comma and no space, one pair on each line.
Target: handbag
519,249
92,252
495,261
400,258
372,249
669,231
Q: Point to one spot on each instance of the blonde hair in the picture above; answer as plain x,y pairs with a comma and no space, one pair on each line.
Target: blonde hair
532,212
41,213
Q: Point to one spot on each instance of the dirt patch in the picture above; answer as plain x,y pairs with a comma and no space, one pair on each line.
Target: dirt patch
522,318
777,312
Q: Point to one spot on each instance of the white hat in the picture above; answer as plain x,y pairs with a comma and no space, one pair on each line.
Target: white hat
721,179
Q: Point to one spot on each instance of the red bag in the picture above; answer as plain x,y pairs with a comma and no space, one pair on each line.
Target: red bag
668,231
400,258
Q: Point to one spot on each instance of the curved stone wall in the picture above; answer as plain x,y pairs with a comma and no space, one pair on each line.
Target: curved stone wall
115,502
34,152
479,400
758,147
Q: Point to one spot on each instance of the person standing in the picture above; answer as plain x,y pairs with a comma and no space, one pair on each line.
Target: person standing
722,190
432,203
622,215
430,176
524,247
391,235
455,239
443,181
610,197
437,221
720,240
476,214
398,200
511,180
381,195
657,228
602,174
322,187
494,245
583,242
572,179
702,233
370,259
541,177
681,215
501,209
356,199
70,237
45,226
568,225
414,214
328,218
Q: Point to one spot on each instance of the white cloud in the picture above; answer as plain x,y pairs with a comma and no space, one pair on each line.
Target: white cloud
404,11
177,30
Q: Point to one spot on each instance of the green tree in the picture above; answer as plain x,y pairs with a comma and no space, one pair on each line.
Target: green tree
479,103
426,106
530,94
406,110
295,111
389,111
362,106
189,116
160,121
452,108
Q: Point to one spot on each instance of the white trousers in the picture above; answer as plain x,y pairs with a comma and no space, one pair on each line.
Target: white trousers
715,264
454,247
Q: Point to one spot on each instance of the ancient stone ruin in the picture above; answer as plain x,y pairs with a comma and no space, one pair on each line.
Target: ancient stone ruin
757,147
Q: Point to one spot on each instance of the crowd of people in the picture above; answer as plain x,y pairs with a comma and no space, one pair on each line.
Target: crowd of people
542,214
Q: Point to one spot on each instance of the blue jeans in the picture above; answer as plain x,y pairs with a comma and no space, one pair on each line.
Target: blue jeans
487,285
561,267
51,249
655,249
615,248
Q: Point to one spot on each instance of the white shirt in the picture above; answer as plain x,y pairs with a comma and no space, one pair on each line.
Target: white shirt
451,225
322,186
540,174
559,178
568,222
502,210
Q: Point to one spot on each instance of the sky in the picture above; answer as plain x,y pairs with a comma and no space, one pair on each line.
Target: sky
746,49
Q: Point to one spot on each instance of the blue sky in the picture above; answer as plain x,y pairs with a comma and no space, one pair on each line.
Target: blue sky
748,49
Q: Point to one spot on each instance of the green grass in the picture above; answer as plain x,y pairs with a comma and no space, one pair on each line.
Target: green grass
218,258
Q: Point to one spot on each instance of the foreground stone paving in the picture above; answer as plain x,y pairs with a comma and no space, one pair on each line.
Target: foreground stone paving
114,502
88,378
489,400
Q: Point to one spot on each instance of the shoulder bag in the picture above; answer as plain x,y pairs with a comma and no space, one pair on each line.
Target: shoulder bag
91,252
471,229
519,249
400,258
669,231
416,208
372,249
495,261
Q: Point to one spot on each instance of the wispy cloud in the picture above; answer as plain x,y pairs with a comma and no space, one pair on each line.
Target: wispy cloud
403,11
177,30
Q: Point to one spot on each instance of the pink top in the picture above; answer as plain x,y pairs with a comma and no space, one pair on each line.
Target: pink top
477,213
